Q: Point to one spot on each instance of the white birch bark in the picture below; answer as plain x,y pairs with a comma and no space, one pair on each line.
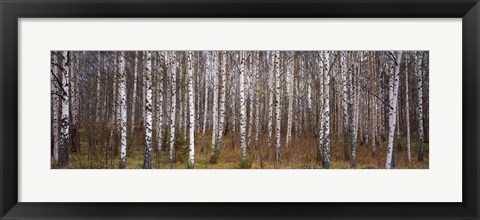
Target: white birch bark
147,162
191,103
277,106
250,95
290,88
326,112
270,99
173,87
345,102
407,109
205,111
222,98
234,105
123,111
160,103
56,106
114,108
243,119
419,75
64,132
134,96
393,101
74,102
356,71
215,107
257,96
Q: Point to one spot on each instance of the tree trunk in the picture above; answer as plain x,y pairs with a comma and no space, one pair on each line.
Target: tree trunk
172,64
147,162
57,96
160,104
326,112
134,99
191,103
270,100
345,103
419,75
123,111
393,101
407,109
222,99
257,96
205,112
213,156
64,133
290,91
277,106
243,119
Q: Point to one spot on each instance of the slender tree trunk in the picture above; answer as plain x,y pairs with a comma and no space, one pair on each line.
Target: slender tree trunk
123,111
257,97
243,116
222,99
114,108
419,75
290,91
205,112
393,101
56,105
277,106
191,103
134,99
74,133
173,69
373,107
250,94
147,162
213,156
270,100
160,104
64,133
234,106
345,103
407,109
326,102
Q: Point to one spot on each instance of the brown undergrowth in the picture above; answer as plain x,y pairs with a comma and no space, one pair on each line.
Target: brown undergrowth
301,155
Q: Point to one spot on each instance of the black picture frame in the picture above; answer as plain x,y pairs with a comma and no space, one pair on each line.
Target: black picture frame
12,10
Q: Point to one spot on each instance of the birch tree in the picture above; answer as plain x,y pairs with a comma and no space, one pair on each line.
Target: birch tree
191,101
123,111
205,111
64,133
160,103
243,116
213,156
173,87
326,112
419,75
222,99
393,101
257,97
147,162
134,97
270,99
345,102
57,100
407,109
290,87
277,105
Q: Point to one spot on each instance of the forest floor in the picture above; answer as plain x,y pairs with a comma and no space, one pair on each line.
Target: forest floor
301,155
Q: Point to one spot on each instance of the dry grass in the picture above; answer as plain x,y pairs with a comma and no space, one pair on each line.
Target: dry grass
301,155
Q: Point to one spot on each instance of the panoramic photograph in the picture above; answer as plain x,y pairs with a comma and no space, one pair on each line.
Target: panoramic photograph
239,109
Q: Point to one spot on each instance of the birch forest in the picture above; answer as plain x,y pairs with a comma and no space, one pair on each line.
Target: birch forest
239,109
